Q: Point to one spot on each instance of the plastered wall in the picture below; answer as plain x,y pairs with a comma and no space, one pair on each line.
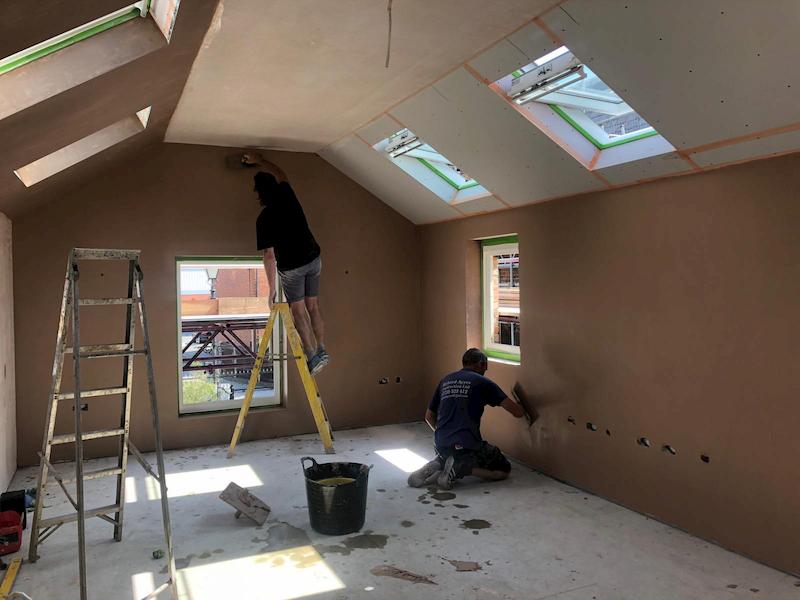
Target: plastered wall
8,411
181,200
667,311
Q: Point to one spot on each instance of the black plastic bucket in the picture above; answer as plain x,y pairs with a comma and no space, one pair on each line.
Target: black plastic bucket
336,509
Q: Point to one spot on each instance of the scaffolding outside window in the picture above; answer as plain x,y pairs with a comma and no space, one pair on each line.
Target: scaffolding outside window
560,80
501,302
222,313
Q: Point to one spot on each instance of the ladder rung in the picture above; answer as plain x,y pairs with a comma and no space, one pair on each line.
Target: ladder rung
100,348
94,475
104,254
94,512
105,351
93,393
68,438
104,301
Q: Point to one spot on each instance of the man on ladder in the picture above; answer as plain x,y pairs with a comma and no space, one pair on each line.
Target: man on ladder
289,248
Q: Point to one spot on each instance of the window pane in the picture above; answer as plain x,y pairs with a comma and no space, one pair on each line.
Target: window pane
223,310
501,314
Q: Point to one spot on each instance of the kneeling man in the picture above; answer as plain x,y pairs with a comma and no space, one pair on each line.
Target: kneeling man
455,414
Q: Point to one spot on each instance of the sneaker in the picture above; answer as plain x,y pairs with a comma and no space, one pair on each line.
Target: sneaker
425,475
447,477
317,362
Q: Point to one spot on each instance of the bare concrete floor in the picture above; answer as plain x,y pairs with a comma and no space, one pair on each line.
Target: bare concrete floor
531,537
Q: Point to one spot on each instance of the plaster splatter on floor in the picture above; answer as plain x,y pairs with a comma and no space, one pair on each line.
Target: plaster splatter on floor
180,563
407,523
443,496
392,571
364,541
464,565
475,524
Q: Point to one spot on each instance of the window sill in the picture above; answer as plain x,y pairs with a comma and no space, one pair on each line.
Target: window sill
230,411
503,361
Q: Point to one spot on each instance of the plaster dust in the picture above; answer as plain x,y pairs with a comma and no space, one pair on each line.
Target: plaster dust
546,540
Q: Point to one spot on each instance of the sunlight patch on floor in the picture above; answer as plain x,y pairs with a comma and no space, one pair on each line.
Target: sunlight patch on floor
203,481
403,458
283,575
142,584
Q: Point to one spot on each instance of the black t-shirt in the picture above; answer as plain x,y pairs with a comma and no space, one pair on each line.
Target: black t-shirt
458,402
282,225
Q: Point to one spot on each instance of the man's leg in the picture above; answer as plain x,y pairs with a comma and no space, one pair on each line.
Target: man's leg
490,463
489,475
426,475
303,324
312,305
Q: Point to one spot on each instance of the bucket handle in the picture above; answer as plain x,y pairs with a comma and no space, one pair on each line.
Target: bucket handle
303,462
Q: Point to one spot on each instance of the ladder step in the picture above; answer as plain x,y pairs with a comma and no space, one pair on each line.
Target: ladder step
68,438
94,475
105,351
104,301
94,512
104,254
99,348
93,393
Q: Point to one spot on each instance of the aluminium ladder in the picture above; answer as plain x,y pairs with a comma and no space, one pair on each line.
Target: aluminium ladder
71,302
309,383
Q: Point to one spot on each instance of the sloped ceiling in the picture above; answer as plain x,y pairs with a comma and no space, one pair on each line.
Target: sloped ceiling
155,79
717,78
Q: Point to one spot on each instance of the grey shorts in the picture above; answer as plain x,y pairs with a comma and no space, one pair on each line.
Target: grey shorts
302,282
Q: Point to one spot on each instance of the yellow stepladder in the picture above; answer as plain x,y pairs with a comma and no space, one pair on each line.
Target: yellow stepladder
309,383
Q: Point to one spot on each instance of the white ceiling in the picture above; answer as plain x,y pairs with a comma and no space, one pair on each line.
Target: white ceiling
717,78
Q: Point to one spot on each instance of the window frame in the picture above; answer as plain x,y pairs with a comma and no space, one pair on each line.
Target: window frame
277,399
430,168
73,36
491,247
568,62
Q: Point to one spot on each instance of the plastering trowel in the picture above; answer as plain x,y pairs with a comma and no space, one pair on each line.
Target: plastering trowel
236,161
530,412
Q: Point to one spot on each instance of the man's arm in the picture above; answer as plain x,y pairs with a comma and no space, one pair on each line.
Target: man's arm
430,419
512,407
270,267
254,158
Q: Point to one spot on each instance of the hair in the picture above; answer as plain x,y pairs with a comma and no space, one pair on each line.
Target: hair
266,185
473,356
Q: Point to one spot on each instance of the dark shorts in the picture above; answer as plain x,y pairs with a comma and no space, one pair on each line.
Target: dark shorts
302,282
485,457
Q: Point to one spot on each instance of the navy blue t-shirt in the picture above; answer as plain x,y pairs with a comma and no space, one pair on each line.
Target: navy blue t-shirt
458,402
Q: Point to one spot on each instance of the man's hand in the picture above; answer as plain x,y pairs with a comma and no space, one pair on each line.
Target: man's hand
252,158
271,301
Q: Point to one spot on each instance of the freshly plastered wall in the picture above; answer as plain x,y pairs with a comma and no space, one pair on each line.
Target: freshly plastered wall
8,411
666,311
180,200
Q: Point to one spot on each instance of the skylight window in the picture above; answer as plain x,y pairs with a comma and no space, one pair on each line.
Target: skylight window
66,157
429,167
73,36
164,14
560,80
405,143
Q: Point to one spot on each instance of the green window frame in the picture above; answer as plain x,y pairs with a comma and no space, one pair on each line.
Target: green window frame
73,36
597,143
452,183
492,349
278,342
